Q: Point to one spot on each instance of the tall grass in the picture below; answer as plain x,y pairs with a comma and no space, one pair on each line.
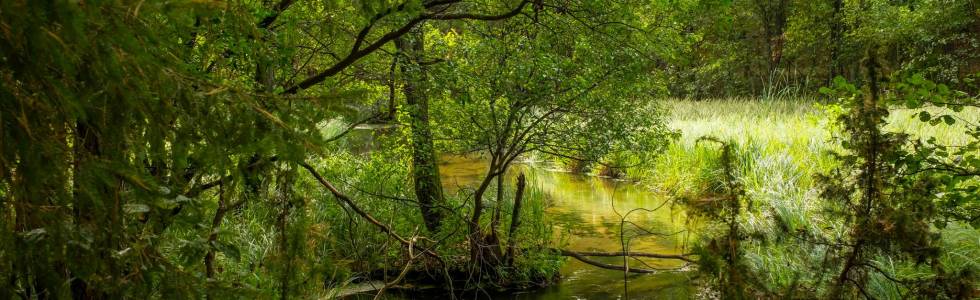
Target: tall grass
780,146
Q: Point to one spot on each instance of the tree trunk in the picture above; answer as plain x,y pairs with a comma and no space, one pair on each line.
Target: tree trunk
774,16
871,191
482,256
515,218
836,31
425,171
494,238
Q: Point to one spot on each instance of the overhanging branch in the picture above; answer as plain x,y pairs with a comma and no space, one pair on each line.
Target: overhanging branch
358,52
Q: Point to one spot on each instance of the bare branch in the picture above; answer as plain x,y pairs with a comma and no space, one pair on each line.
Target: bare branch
276,12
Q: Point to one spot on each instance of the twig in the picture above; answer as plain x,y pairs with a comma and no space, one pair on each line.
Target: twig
408,265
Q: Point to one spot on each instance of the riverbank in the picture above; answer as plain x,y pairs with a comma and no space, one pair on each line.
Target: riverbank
779,146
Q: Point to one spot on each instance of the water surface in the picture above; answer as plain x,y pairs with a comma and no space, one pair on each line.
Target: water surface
586,211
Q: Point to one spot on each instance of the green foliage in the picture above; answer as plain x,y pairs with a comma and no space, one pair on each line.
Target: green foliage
888,193
154,149
547,91
113,139
789,48
721,254
956,166
781,146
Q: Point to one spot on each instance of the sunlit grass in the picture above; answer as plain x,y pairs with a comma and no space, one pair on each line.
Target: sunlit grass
780,145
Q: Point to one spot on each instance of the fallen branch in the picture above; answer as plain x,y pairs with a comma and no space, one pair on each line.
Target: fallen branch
587,260
401,275
683,257
584,257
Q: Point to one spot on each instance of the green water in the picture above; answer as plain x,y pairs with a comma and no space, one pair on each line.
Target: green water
586,212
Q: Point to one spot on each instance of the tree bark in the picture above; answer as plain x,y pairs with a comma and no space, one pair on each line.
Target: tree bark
494,238
425,171
836,31
515,218
482,257
774,18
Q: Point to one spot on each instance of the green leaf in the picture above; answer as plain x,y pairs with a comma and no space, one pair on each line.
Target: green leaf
949,120
912,102
136,208
917,79
924,116
165,203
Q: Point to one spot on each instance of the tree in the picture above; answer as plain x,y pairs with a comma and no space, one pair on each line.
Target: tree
513,88
790,48
425,171
888,204
119,135
955,166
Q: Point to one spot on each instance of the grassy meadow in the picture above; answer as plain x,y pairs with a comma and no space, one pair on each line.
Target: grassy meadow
780,145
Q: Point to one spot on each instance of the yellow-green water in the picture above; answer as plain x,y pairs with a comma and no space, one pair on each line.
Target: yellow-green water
586,214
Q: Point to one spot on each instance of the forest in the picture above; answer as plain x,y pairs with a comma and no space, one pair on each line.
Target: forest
489,149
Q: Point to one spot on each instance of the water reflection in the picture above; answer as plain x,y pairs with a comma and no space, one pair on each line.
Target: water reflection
586,212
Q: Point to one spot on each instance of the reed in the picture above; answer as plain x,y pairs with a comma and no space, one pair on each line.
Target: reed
780,145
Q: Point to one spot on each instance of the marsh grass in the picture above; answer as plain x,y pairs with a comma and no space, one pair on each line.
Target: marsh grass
780,146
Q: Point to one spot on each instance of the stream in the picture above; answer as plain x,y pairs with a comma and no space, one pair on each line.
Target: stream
585,211
581,209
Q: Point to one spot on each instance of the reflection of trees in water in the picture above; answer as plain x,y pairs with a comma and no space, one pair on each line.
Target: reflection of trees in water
581,206
581,209
572,223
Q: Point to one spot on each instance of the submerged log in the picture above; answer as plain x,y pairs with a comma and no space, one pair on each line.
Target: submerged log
584,257
683,257
587,260
368,288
